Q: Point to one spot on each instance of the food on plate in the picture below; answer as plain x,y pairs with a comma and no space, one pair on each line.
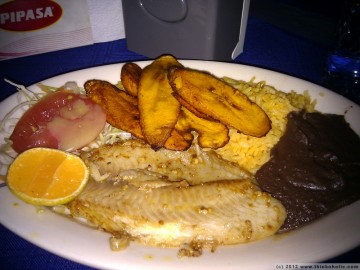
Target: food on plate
171,215
121,109
211,134
159,110
167,119
134,160
314,169
170,198
179,142
130,78
48,177
252,152
191,108
219,100
63,120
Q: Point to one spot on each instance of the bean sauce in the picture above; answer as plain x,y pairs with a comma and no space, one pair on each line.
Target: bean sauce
314,169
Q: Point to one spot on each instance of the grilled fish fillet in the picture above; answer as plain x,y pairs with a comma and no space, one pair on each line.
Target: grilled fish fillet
211,214
169,199
135,161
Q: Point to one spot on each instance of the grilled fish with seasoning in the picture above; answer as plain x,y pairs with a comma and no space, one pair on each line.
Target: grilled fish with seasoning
134,160
171,199
214,213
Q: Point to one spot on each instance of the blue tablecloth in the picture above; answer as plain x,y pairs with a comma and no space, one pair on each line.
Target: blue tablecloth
265,46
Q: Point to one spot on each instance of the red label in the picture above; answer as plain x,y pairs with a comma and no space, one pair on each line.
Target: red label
28,15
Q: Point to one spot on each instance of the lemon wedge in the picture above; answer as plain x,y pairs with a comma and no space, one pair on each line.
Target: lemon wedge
48,177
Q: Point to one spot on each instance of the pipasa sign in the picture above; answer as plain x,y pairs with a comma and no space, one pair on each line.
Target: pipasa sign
29,15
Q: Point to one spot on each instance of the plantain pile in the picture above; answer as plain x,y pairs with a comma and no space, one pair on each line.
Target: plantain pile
164,102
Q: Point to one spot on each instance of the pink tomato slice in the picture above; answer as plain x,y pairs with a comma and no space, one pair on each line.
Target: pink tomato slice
63,120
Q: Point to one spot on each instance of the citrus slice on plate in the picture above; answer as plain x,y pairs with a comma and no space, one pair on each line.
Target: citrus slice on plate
44,176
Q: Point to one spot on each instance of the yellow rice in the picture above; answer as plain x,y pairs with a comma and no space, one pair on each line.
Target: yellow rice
251,152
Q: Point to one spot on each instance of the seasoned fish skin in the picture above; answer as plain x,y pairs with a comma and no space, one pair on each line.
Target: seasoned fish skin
214,213
134,160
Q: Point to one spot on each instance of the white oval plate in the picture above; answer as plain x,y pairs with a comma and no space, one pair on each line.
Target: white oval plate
330,236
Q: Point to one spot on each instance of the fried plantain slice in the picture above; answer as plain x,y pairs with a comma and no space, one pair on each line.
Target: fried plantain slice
212,96
130,77
191,108
212,134
121,109
158,108
178,140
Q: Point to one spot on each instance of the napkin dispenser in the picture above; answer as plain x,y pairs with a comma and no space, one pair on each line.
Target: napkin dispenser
187,29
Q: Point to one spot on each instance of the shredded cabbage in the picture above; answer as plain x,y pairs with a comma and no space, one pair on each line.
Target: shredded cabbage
25,99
